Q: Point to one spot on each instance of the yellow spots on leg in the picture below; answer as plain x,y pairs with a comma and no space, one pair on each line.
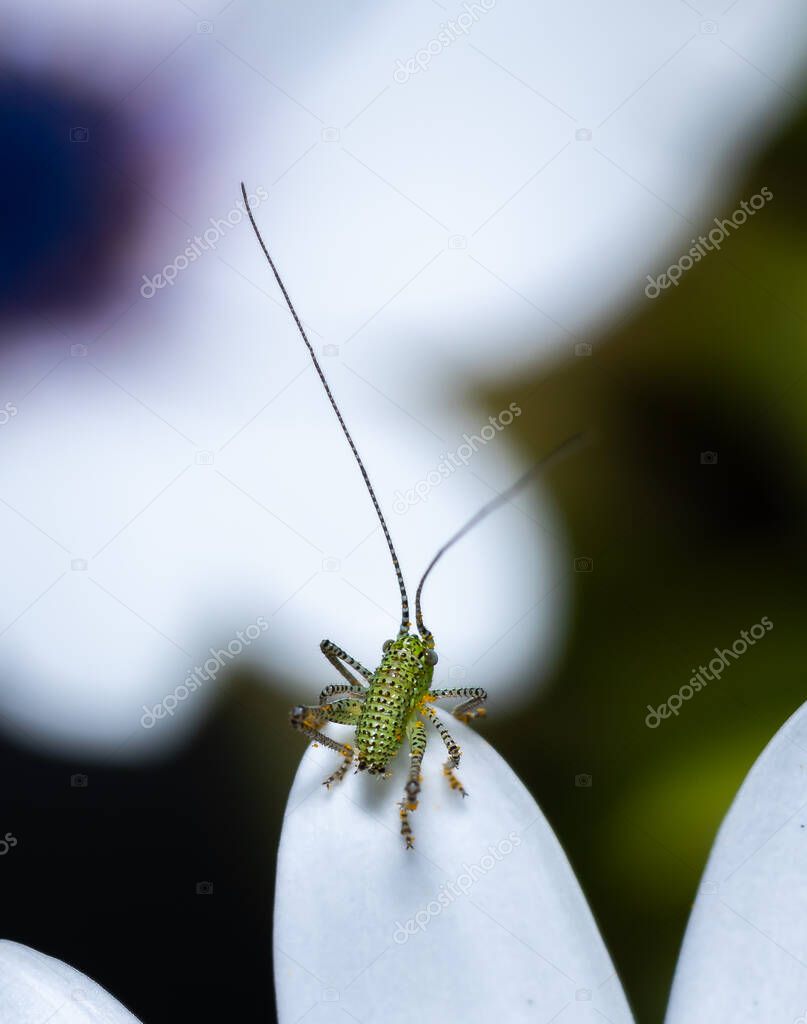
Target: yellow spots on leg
453,781
341,771
406,829
425,708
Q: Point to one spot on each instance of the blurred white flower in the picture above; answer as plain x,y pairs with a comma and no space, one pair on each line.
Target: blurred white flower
173,471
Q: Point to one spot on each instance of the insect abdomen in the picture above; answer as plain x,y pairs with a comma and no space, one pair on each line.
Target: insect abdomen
397,685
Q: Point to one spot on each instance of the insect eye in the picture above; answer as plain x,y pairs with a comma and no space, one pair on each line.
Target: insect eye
386,646
431,657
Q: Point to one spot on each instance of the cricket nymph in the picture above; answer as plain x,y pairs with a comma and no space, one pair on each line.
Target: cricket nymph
387,707
399,684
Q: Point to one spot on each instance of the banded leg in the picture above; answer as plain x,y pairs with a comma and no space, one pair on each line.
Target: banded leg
310,719
416,735
339,659
471,706
454,752
341,690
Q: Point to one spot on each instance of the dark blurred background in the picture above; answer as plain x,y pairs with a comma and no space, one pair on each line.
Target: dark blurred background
175,859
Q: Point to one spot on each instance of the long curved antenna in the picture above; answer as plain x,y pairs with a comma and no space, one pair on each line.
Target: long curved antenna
564,449
404,599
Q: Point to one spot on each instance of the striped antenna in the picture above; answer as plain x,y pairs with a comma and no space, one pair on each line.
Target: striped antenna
566,448
399,575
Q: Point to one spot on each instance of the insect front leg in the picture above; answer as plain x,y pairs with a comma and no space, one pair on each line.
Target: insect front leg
340,659
342,690
454,752
309,719
471,706
416,735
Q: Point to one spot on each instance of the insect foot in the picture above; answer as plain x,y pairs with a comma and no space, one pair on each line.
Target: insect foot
467,716
453,781
341,771
406,828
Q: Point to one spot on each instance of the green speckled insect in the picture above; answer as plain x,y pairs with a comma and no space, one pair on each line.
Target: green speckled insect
388,706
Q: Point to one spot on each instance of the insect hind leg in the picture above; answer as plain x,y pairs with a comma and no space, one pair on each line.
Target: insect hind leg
416,734
454,752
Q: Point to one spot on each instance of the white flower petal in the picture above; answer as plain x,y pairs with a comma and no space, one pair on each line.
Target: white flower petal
35,988
744,956
518,944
